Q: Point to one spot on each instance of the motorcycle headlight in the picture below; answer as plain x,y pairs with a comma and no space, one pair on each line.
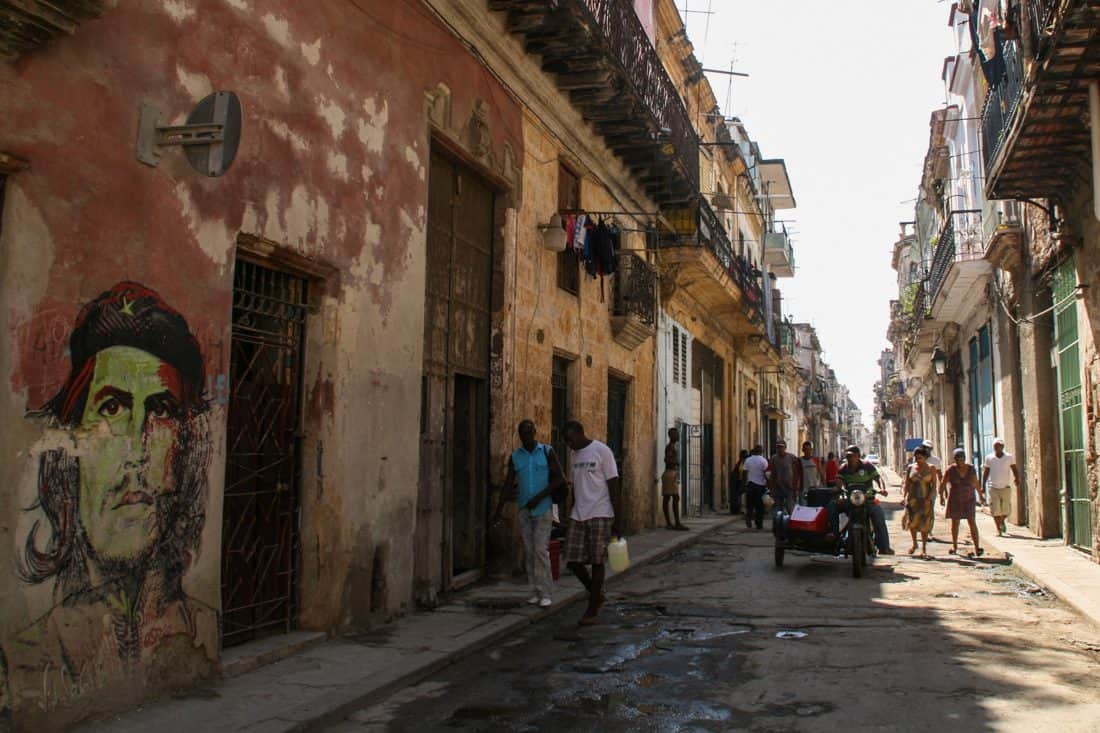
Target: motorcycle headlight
857,497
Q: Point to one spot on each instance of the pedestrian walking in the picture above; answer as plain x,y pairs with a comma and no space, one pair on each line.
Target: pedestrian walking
595,516
810,465
962,499
1000,474
832,467
670,481
785,480
739,486
920,500
534,469
756,483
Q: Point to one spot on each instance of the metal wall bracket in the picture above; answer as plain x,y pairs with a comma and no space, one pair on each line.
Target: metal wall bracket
209,138
152,136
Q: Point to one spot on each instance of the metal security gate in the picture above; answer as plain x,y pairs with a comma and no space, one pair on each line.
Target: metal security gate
260,515
1071,420
691,468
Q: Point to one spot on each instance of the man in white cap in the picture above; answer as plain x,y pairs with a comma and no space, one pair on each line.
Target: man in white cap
999,470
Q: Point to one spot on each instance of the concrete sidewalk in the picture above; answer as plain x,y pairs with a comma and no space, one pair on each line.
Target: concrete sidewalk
333,677
1067,573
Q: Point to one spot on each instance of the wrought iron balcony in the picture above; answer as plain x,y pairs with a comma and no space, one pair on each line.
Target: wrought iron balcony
723,282
1001,102
1035,127
634,300
599,53
957,265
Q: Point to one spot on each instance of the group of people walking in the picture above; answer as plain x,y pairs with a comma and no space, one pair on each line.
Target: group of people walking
959,490
536,480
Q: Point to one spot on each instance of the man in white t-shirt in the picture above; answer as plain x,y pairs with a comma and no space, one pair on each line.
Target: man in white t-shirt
999,470
756,478
595,480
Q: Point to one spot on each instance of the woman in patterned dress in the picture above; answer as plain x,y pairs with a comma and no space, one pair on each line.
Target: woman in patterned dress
920,500
960,502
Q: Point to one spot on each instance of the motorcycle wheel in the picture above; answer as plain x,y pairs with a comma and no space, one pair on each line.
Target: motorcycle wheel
779,552
859,553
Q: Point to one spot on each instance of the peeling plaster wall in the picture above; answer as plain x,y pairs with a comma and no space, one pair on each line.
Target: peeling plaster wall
332,170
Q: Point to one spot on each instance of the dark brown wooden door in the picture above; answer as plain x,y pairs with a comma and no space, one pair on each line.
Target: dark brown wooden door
260,511
453,508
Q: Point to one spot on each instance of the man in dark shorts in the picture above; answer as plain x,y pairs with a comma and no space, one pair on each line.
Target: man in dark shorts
595,516
670,480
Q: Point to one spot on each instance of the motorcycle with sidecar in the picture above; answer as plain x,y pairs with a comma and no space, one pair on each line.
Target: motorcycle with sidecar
806,528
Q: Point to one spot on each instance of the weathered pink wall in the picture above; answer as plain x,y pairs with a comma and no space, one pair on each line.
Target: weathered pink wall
332,166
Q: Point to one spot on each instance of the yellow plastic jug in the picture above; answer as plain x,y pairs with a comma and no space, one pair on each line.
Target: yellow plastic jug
617,555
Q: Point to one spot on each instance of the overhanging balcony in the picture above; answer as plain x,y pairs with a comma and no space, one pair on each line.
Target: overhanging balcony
27,25
700,258
633,301
1035,132
600,56
958,266
778,252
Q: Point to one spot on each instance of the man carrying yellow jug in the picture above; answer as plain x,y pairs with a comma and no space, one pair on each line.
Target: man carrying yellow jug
595,516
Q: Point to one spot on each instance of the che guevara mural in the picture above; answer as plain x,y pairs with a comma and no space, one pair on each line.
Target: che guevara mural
120,507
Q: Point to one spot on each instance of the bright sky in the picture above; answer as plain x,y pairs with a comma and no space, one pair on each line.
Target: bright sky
842,90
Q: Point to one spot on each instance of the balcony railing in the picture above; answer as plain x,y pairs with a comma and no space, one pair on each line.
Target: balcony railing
1041,16
699,226
959,240
1001,102
943,257
627,40
635,289
601,57
633,300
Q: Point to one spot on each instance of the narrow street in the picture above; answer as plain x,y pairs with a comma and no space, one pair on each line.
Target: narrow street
696,643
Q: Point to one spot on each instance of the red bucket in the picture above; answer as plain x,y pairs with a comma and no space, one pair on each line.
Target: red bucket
555,562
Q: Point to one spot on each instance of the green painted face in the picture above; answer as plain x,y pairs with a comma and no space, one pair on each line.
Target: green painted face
128,437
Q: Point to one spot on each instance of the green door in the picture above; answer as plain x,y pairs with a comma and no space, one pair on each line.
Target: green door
1071,418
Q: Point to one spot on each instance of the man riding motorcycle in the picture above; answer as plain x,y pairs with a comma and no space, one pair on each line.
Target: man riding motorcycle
859,474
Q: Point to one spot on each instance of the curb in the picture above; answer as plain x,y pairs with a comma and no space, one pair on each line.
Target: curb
1063,592
338,710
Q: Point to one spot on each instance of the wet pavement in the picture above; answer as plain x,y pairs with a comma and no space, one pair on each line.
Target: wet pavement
715,638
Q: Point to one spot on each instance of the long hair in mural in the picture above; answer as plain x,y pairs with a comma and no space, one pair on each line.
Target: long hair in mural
122,500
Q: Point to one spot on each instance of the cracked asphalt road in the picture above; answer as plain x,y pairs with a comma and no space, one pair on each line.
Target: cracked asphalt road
690,644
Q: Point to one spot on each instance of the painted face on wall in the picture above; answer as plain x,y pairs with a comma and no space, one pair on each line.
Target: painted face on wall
128,438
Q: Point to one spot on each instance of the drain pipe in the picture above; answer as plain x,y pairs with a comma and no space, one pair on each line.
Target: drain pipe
1094,134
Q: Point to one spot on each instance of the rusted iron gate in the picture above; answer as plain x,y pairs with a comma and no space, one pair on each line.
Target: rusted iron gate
260,518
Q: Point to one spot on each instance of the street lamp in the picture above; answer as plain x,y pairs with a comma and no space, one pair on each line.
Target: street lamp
939,362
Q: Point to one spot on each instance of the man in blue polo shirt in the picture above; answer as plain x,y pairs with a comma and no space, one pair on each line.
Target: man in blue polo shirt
534,469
